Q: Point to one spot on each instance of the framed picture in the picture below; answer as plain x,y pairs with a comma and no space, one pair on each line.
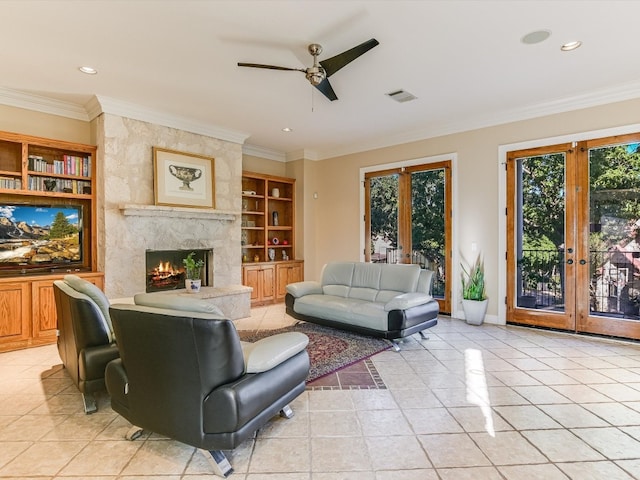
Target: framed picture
183,179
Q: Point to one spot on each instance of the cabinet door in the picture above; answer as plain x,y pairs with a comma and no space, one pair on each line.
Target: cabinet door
14,312
251,278
262,279
287,273
268,282
45,316
43,306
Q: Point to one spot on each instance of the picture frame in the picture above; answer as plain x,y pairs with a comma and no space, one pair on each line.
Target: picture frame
183,179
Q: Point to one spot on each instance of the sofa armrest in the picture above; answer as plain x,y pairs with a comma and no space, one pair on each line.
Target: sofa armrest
300,289
269,352
407,300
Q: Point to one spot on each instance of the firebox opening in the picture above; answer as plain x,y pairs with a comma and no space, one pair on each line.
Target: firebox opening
165,270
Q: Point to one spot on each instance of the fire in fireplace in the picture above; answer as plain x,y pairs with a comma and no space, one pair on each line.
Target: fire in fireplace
165,270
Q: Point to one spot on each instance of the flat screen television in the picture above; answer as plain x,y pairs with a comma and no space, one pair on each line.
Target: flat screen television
40,236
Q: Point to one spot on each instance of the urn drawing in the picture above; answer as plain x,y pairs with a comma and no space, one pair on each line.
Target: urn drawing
186,175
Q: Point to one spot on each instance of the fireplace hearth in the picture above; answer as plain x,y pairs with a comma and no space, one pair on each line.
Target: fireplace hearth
165,270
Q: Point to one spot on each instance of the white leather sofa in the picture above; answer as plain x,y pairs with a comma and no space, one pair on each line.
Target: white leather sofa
382,300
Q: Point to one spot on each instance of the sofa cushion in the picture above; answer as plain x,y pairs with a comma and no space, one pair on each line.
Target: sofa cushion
349,310
336,290
367,275
337,273
403,278
362,293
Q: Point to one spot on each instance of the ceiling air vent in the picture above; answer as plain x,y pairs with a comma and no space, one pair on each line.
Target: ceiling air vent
401,96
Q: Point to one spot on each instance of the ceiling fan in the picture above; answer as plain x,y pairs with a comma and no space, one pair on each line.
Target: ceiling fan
320,72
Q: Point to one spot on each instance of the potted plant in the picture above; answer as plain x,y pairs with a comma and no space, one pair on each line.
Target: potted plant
193,269
474,298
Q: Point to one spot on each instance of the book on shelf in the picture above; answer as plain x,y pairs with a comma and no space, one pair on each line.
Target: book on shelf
69,165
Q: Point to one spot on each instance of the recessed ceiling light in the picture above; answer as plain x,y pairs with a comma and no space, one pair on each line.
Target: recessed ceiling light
536,37
567,47
287,129
88,70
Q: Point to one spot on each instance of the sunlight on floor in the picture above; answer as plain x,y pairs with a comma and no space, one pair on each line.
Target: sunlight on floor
476,382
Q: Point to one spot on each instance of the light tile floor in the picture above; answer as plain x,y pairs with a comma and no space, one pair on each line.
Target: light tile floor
477,403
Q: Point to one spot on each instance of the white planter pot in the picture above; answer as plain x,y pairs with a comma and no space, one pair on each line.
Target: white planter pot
474,311
192,286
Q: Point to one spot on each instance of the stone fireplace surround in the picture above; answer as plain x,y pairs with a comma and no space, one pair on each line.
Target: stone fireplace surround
129,221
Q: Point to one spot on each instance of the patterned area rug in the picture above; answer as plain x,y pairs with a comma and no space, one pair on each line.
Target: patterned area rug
329,349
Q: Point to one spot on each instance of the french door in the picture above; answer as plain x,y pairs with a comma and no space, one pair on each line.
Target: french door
408,220
573,236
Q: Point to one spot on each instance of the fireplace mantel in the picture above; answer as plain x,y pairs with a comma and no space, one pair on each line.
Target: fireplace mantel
177,212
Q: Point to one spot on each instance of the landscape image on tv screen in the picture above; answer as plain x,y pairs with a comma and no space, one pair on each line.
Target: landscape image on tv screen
40,235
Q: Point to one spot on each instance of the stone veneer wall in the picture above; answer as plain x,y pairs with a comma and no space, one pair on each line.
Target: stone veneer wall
125,176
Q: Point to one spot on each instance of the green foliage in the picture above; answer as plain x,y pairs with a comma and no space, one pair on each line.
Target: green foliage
192,266
473,281
383,196
61,228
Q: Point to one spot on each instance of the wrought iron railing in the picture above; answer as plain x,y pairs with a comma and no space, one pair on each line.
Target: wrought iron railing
614,286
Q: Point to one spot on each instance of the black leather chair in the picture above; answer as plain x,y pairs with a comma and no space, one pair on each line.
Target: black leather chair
86,343
187,376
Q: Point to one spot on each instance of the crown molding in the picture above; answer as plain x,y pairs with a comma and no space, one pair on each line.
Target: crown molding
619,93
303,154
137,112
263,152
38,103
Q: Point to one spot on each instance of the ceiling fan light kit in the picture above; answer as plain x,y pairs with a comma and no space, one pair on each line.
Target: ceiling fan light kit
318,74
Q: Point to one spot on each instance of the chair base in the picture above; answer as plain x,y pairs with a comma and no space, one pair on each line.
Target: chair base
286,412
90,405
219,462
133,433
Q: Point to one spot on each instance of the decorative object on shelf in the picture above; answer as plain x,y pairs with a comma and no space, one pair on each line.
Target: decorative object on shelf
251,223
275,192
243,238
275,218
183,179
256,258
50,184
275,240
244,258
474,298
193,271
248,192
245,204
272,254
285,242
284,255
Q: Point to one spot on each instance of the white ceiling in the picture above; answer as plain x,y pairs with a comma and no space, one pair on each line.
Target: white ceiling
464,60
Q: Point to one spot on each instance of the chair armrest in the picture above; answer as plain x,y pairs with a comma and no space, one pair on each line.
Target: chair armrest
407,300
175,302
300,289
269,352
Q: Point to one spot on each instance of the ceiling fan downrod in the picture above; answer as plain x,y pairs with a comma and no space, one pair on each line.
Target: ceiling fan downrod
315,74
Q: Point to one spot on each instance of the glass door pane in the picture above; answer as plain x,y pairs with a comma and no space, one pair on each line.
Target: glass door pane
428,219
611,279
541,232
383,215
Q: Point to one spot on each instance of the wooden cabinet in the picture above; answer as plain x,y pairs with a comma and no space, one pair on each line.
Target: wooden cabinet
269,280
268,218
268,236
38,175
39,172
28,310
262,279
286,273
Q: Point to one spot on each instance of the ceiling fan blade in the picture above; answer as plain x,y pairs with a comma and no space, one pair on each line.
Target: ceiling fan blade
333,64
270,67
327,90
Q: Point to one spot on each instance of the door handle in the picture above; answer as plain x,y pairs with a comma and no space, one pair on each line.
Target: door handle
570,261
